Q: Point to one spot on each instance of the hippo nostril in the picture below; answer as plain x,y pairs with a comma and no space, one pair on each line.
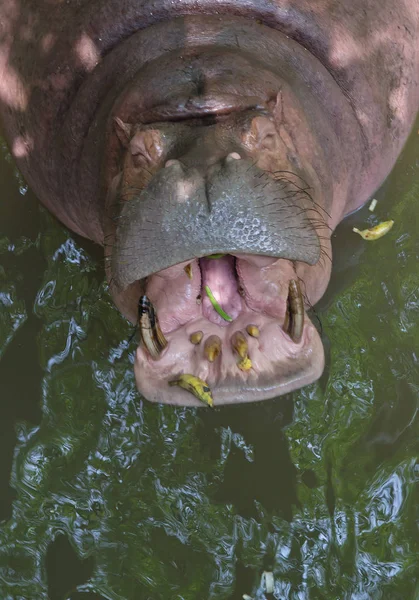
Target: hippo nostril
173,163
233,156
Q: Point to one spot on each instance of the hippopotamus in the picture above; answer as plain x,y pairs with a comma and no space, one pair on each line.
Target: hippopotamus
211,147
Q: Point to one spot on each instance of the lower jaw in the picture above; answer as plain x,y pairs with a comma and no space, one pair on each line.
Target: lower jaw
278,364
227,383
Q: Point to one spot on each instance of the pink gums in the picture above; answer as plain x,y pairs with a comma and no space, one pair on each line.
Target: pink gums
251,290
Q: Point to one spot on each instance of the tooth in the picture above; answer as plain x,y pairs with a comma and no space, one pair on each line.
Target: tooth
150,332
239,343
233,156
294,318
253,331
188,270
196,337
212,348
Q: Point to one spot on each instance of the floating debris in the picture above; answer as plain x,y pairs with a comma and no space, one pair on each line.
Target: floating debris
372,205
268,582
374,233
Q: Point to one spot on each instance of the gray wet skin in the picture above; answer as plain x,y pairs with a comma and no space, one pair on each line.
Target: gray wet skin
230,207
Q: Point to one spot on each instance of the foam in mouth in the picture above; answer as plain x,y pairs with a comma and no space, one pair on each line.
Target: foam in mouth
254,292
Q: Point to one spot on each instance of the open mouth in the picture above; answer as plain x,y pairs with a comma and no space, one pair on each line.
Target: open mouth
224,329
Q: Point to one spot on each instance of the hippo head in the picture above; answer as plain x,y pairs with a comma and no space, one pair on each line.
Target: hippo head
215,232
220,189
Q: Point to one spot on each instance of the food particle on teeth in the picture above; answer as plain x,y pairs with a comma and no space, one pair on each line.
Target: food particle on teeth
214,256
374,233
188,270
196,386
212,348
216,306
245,364
253,331
196,337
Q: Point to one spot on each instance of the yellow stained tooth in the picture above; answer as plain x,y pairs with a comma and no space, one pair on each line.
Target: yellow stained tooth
196,337
188,270
253,331
212,348
240,346
239,343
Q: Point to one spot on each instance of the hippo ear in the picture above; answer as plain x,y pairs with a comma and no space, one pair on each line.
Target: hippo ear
147,147
123,131
261,134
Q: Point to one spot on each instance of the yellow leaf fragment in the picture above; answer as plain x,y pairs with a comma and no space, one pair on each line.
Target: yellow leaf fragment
374,233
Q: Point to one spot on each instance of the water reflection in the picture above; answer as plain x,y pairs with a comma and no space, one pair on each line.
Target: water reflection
112,497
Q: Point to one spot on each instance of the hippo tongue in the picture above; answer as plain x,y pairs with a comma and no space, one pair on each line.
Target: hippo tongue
180,299
219,275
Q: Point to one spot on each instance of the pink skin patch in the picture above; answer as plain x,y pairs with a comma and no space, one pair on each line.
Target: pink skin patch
251,290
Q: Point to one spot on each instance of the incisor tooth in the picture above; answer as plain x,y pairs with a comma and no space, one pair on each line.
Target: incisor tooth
196,337
212,348
253,331
188,270
240,346
239,343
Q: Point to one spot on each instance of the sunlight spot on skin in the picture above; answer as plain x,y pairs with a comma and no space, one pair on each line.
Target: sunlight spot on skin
12,90
22,145
87,52
47,42
184,190
398,102
344,50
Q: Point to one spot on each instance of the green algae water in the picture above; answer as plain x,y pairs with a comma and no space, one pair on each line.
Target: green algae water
104,495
